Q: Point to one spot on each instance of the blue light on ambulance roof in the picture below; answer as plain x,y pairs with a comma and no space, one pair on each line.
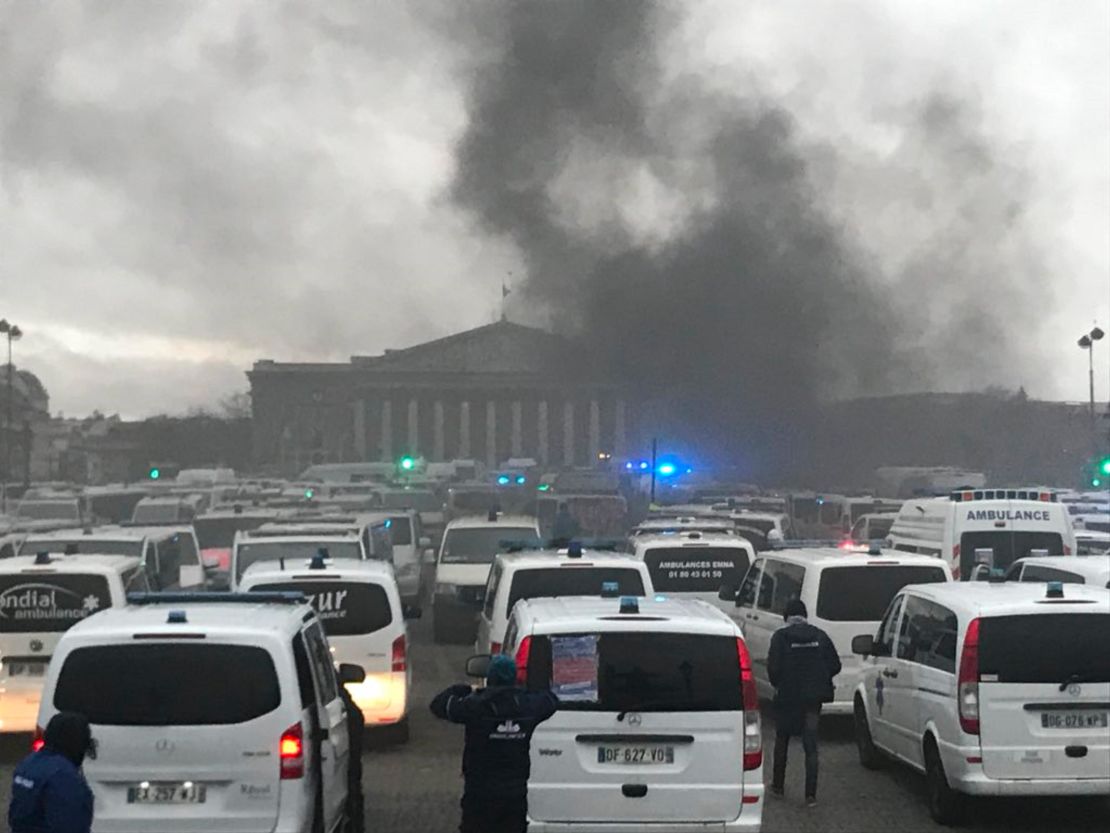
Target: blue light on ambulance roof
628,465
667,469
388,523
503,480
644,465
521,479
660,598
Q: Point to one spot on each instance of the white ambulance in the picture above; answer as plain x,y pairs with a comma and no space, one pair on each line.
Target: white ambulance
1009,522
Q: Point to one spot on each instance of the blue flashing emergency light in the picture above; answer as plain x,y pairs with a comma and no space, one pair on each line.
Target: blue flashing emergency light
644,466
154,473
521,479
502,480
628,465
666,469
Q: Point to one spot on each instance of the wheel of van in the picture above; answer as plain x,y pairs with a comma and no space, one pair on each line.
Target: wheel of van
945,804
869,755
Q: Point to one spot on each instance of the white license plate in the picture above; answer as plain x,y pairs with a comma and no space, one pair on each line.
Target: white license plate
26,669
1074,720
635,755
179,793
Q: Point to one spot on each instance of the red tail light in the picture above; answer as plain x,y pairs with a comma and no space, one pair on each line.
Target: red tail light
495,648
753,726
38,742
522,654
291,752
400,657
967,689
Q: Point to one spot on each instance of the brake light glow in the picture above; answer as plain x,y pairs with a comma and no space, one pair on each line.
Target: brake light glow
291,752
753,728
38,742
400,659
967,692
522,654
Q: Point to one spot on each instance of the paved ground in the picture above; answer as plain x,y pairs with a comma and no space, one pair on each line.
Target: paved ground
414,788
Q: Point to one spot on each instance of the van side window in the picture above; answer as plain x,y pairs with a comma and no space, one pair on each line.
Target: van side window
510,635
169,561
491,589
189,555
885,638
304,672
928,635
1034,572
322,665
746,596
780,583
136,581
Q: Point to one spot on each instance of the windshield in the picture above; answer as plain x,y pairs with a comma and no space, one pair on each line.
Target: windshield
296,552
420,501
695,569
147,685
862,594
220,532
82,546
31,603
572,581
1007,546
479,545
641,672
1045,648
49,510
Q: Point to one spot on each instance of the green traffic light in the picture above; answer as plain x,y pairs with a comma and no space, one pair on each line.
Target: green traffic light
1104,466
408,463
308,493
155,474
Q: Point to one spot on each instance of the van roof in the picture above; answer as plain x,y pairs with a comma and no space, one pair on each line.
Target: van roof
246,620
295,536
105,564
371,570
980,598
836,557
537,559
589,614
692,539
480,521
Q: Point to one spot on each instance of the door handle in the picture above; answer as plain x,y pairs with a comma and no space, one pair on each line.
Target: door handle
891,674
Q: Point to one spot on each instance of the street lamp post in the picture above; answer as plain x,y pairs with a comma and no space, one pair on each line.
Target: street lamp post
13,333
1087,342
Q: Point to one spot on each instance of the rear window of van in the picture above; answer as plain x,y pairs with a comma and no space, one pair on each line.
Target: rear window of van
695,569
862,594
168,684
1045,648
345,608
641,672
49,602
572,581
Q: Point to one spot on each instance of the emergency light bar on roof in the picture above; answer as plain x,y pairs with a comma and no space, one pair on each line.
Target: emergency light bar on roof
1043,495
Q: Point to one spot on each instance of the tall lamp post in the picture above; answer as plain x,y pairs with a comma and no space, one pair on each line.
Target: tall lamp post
13,333
1087,342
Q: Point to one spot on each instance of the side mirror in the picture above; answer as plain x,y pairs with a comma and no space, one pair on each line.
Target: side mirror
412,611
864,645
727,593
351,673
478,665
425,541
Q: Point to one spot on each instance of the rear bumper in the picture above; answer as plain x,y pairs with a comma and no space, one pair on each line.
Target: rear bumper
750,820
970,779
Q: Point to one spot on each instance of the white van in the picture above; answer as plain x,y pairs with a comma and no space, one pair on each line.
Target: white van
1069,569
215,711
658,723
409,546
265,545
990,689
549,573
844,592
40,598
1011,522
697,565
360,608
462,569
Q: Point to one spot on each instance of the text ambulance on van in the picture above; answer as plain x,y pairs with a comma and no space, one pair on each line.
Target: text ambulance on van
1009,522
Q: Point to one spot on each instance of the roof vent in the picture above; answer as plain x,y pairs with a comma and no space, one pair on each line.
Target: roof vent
875,548
42,558
610,589
176,617
574,549
1054,590
630,604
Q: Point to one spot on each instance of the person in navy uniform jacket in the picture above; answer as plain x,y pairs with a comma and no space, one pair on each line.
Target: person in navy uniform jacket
499,721
49,791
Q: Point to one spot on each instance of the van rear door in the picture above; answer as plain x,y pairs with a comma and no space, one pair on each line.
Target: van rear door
1044,695
649,728
187,733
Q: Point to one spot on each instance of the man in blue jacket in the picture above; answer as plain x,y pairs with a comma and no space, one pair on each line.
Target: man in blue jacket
801,664
499,720
49,791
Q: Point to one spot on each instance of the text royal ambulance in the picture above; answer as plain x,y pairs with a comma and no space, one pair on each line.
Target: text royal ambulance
1011,523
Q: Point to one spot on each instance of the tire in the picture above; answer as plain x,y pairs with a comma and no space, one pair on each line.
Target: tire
869,755
945,804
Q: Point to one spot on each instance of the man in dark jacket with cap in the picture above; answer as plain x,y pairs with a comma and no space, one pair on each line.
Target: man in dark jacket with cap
499,720
801,664
49,792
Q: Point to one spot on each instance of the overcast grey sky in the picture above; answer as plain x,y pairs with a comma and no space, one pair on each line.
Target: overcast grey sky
186,187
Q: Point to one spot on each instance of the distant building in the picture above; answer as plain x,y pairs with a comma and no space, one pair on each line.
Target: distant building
20,420
492,393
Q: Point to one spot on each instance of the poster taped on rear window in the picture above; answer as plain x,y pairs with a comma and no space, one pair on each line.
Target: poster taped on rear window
574,668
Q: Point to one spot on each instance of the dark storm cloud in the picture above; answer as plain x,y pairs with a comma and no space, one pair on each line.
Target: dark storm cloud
751,301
